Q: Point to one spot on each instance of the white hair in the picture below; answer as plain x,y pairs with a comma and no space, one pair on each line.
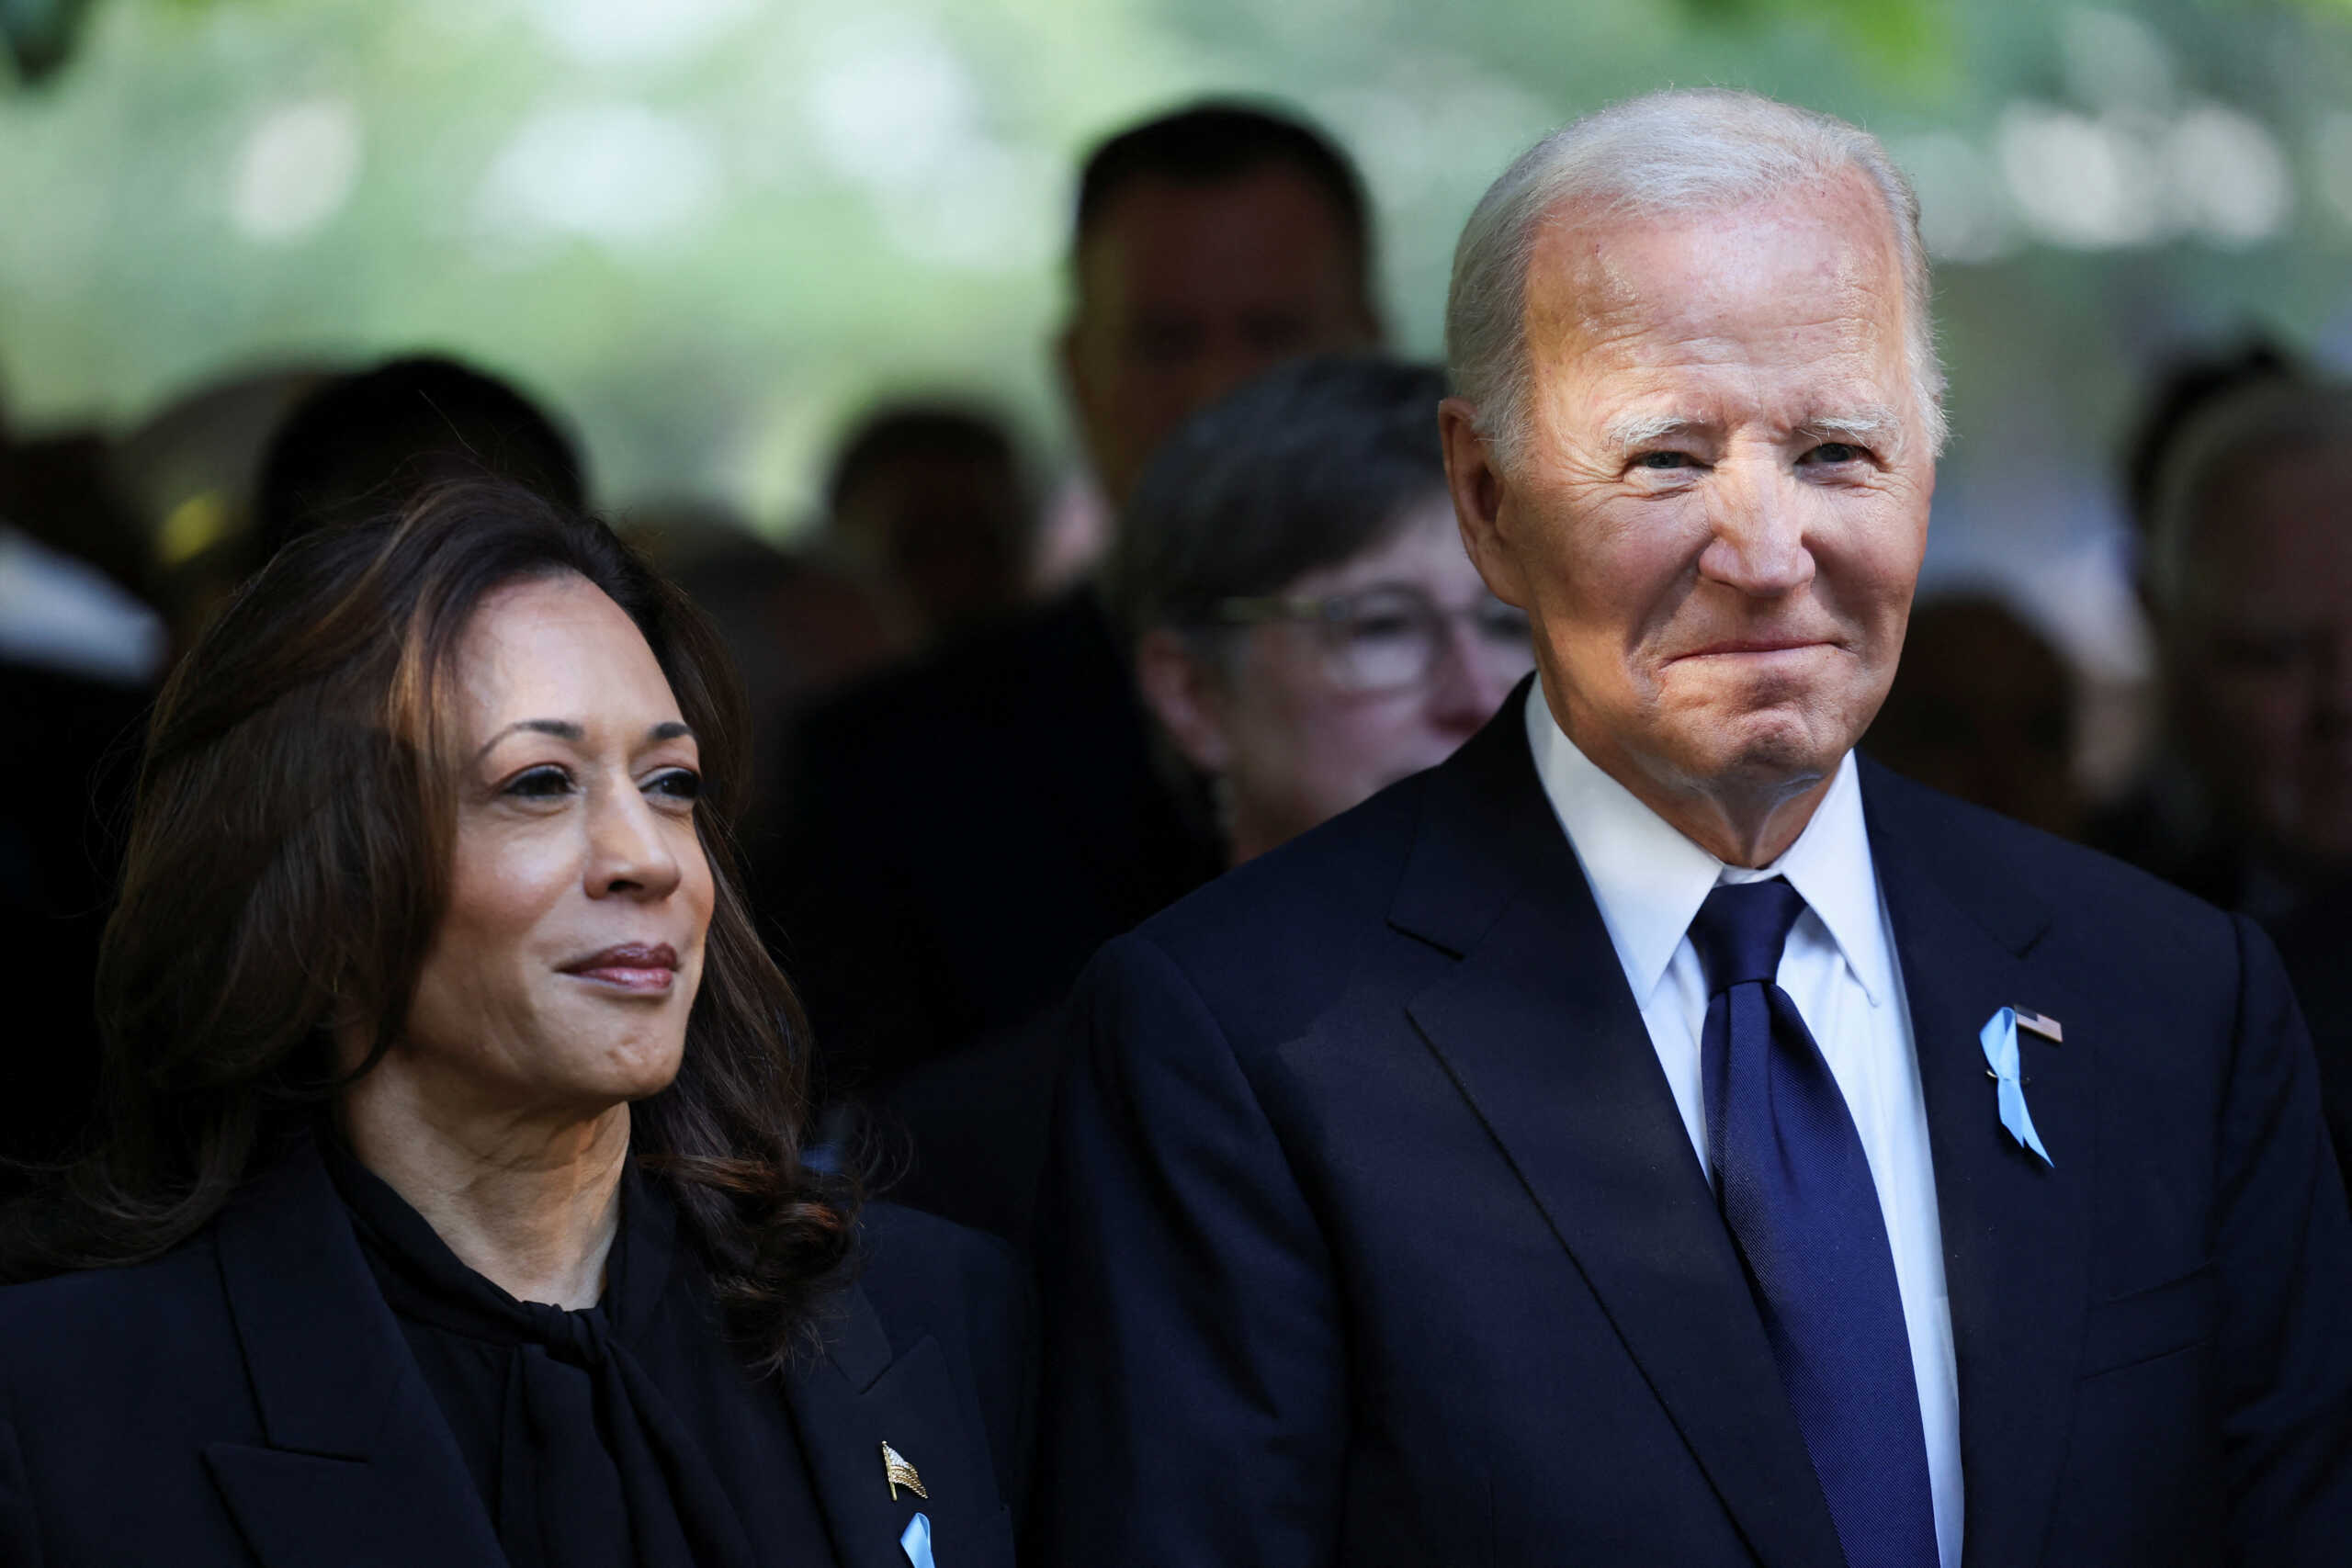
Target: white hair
1666,154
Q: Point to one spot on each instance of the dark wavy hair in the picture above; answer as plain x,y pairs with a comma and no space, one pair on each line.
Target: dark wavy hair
288,864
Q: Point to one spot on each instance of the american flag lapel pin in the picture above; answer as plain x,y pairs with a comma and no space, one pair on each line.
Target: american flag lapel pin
2048,1028
899,1473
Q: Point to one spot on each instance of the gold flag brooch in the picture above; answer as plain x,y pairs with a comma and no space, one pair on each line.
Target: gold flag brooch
897,1472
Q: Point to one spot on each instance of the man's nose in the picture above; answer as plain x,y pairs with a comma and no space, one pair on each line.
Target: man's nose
1756,519
1229,359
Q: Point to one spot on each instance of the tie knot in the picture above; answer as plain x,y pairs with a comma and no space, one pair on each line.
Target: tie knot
1741,930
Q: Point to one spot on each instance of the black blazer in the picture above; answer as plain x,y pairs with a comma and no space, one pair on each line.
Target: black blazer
1374,1236
249,1399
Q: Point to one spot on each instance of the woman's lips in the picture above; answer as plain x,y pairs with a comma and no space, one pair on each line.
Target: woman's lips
630,966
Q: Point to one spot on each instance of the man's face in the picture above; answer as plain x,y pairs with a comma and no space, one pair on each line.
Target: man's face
1185,291
2260,653
1718,517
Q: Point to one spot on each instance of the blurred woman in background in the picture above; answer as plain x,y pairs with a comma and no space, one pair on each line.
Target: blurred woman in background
451,1206
1308,628
1306,631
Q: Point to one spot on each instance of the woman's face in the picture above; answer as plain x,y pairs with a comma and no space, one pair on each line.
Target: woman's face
562,973
1299,733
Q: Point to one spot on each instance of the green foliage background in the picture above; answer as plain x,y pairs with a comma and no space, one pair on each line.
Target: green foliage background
844,157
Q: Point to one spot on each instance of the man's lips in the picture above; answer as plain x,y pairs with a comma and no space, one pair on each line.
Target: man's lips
630,966
1754,645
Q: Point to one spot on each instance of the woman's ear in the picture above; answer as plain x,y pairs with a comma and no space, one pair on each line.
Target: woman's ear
1186,695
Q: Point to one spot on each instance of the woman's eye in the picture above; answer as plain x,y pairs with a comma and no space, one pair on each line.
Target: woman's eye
1382,626
539,783
678,784
1500,623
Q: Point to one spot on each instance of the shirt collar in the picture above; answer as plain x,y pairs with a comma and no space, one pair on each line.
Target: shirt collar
1649,880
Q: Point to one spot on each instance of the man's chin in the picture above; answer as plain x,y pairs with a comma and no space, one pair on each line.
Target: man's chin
1761,752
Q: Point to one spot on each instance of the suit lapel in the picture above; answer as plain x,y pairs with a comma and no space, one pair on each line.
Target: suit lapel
2013,1231
1538,1029
855,1398
360,1466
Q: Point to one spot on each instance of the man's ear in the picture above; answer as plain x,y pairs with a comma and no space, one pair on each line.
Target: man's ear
1479,492
1184,696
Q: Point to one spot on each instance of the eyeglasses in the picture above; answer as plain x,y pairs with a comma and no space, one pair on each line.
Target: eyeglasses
1388,639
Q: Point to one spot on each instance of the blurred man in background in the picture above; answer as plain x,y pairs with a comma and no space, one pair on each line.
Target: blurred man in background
1983,707
365,442
2236,479
967,830
2247,579
929,503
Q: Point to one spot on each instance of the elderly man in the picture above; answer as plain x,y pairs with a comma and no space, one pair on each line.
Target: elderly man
2247,578
1653,1136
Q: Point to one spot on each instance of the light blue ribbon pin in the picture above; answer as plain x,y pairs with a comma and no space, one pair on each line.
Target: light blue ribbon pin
915,1541
2000,1039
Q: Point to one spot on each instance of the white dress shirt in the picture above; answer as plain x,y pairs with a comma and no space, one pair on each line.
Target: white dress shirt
1839,967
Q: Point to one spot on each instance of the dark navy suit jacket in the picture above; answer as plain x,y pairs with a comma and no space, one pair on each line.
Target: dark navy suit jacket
1374,1236
249,1399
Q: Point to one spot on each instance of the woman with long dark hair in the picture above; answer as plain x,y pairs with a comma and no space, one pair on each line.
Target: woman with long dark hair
450,1205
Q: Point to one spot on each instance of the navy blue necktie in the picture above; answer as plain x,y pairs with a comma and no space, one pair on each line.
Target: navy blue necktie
1796,1193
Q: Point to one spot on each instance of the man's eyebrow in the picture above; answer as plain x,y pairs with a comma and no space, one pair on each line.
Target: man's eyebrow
1639,430
1876,421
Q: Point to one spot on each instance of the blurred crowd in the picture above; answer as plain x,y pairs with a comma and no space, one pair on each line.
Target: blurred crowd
986,743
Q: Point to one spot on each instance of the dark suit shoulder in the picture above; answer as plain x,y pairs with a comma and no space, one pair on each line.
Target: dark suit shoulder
930,1278
1276,933
1339,869
926,1275
104,1316
105,1372
1971,844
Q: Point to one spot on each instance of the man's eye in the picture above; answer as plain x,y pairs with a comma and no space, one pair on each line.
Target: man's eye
678,784
1833,452
1164,342
1663,460
540,782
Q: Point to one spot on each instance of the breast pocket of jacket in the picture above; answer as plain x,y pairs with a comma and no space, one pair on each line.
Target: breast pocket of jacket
2146,1434
2150,1324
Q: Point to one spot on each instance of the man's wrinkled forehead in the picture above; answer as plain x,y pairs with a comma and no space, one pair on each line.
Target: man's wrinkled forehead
1817,264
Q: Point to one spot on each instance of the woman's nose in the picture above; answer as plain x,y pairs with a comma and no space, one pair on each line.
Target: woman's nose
628,853
1471,676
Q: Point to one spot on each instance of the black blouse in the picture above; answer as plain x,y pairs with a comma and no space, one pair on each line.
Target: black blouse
626,1435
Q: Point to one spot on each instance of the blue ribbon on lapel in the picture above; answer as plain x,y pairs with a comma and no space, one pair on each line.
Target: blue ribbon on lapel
916,1541
2000,1041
